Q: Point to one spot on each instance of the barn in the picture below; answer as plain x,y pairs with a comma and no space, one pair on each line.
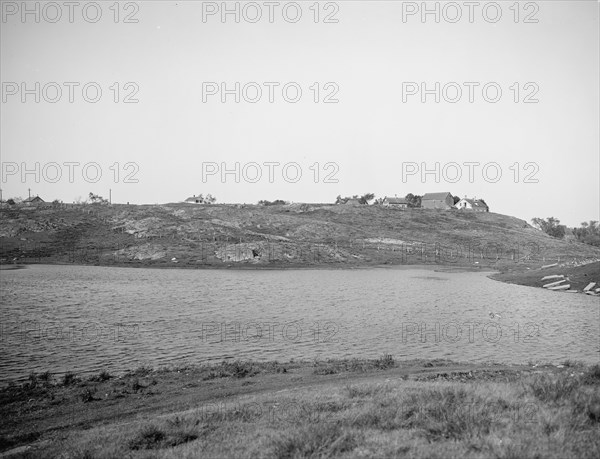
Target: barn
443,201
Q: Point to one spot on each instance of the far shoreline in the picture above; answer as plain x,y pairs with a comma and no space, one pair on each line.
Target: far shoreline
578,276
440,267
434,267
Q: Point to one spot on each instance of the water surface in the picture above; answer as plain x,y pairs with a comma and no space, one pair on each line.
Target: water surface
85,318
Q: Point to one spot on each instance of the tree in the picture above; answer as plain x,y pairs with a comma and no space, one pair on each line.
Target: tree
456,199
550,226
588,233
97,199
345,199
413,200
277,202
365,198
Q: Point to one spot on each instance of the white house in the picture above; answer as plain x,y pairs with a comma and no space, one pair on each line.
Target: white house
476,205
195,200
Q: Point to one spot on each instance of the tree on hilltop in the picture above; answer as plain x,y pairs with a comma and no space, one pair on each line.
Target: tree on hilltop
551,226
97,199
365,198
413,200
588,233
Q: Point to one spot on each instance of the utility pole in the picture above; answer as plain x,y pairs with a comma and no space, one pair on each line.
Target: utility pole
29,192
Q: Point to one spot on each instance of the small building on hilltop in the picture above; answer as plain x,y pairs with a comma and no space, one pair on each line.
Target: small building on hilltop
443,201
33,201
201,199
195,200
395,202
476,205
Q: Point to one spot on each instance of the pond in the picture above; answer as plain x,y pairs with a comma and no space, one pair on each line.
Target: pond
86,318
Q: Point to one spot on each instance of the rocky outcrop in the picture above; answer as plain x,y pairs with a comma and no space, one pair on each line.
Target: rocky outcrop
142,252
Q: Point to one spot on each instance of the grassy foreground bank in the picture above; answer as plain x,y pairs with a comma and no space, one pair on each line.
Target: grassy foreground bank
342,408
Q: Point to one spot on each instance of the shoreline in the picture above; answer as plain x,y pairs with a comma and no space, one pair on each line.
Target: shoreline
520,275
251,266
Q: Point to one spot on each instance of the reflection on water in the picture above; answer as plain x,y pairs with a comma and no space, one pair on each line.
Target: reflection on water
76,318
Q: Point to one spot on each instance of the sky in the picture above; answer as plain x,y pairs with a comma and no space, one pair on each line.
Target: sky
166,124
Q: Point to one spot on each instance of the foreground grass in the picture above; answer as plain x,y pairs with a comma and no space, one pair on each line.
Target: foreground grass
377,408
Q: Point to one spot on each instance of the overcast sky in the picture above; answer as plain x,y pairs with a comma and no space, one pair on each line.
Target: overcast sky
372,61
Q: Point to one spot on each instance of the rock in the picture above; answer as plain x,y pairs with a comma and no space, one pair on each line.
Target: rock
143,252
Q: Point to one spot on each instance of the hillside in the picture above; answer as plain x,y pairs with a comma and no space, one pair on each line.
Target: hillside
296,235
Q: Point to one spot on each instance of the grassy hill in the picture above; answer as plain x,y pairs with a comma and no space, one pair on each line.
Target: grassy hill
296,235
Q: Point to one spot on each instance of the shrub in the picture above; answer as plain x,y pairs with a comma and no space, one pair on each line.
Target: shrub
88,395
314,441
326,369
362,391
448,413
588,405
143,370
552,388
154,437
592,375
136,385
69,379
384,362
45,377
102,376
149,437
32,380
236,369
